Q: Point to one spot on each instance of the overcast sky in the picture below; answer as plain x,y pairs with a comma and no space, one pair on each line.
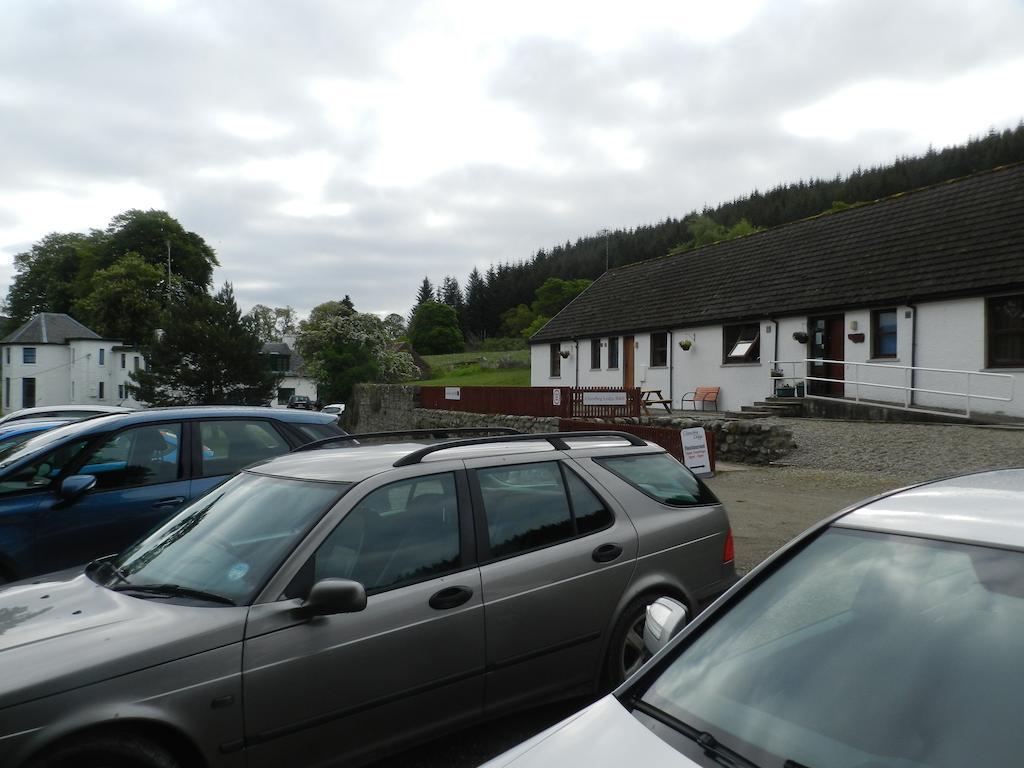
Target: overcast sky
331,148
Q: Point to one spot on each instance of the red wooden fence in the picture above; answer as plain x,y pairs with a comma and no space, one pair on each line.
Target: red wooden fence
513,401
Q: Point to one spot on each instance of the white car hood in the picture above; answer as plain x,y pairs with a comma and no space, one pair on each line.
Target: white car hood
604,735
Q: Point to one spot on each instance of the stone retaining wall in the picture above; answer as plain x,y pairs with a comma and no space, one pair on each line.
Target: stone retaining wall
378,408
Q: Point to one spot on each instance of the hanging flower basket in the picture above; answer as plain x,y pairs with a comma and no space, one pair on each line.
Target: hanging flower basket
685,344
564,353
801,336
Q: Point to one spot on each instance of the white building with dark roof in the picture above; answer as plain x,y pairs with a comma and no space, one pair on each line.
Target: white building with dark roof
55,360
284,360
913,302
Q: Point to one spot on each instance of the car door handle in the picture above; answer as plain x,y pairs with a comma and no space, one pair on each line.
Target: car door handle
606,553
173,501
450,597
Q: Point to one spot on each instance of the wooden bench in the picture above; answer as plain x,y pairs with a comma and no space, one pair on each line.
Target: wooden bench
703,395
651,397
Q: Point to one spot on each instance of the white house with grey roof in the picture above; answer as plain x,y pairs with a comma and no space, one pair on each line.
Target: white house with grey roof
915,301
55,360
284,360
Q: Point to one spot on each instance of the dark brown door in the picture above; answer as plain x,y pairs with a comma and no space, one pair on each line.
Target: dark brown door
628,348
827,343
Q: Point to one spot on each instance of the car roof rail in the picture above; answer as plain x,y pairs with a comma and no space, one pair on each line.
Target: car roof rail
434,432
556,439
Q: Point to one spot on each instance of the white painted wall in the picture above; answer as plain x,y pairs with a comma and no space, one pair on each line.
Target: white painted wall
49,371
70,374
540,365
950,335
302,386
702,366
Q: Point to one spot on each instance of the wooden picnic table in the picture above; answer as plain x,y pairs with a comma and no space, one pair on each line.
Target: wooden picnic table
649,397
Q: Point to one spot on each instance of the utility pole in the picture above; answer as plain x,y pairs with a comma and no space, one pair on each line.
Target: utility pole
168,242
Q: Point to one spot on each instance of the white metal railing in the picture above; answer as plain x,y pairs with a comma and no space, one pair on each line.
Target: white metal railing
909,374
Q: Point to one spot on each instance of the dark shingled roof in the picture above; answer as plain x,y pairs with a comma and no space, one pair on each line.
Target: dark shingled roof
296,364
50,328
959,238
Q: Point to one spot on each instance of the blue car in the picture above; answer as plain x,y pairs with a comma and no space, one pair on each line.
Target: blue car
91,488
13,434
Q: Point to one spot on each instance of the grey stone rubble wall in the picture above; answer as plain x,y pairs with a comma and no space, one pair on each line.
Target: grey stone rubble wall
378,408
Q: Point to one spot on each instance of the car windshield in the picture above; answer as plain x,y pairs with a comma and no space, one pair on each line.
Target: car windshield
8,443
864,650
14,453
229,542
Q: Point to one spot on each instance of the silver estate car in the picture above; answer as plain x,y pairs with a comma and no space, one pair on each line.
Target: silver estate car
330,605
889,635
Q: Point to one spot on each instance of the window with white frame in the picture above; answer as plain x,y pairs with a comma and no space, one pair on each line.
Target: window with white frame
595,354
741,343
613,352
102,356
28,356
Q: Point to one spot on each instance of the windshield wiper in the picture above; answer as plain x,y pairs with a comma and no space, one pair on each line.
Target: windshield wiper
712,747
107,566
173,590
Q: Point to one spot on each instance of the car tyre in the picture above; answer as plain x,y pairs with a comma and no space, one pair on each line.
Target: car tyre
108,750
626,649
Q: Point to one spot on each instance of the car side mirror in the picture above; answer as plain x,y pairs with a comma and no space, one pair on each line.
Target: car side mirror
74,487
665,617
331,596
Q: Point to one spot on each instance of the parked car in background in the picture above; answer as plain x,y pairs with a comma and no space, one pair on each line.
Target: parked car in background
336,408
91,488
300,401
888,635
333,604
68,412
14,433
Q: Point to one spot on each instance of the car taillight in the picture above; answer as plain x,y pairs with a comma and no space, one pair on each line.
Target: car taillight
729,553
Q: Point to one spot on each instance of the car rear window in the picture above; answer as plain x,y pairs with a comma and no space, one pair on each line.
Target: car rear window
661,477
319,431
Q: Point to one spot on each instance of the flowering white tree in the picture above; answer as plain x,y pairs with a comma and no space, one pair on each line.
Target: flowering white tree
346,349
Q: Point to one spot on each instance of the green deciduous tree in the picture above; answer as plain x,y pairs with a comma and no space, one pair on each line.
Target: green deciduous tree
271,323
206,355
125,300
394,325
434,329
514,321
555,293
149,233
344,350
45,276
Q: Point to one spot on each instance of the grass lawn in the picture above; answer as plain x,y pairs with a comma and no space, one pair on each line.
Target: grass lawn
475,376
447,361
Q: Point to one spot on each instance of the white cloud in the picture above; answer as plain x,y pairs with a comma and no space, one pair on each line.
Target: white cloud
940,113
251,127
61,208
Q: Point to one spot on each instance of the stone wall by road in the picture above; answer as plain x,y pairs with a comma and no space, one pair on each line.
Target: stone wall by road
379,408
